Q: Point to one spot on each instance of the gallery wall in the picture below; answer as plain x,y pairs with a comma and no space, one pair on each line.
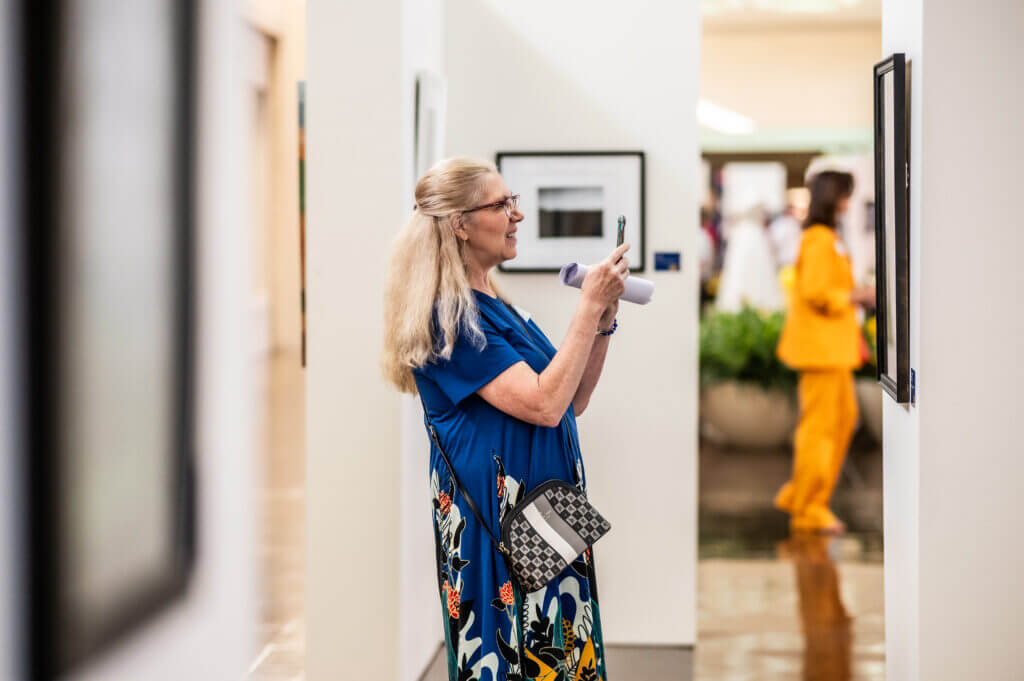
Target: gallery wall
952,460
792,76
535,76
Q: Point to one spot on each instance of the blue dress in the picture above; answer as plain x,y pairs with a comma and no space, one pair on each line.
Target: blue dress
493,632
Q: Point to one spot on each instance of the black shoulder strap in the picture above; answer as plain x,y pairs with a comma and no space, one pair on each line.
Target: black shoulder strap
462,490
448,462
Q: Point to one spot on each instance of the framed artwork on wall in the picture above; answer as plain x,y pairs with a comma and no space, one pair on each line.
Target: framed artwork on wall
892,225
431,107
110,327
571,202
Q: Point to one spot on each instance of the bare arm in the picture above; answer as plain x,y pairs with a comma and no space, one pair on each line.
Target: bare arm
595,363
543,398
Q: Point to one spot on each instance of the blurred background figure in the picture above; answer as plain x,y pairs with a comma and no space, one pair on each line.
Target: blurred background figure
750,193
786,229
821,339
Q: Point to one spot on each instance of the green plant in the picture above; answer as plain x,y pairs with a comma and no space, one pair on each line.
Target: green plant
740,346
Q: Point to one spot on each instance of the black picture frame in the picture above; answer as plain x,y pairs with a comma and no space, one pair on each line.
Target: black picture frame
635,224
892,225
58,636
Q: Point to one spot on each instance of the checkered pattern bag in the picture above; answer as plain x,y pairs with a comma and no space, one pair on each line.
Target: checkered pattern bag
544,532
547,531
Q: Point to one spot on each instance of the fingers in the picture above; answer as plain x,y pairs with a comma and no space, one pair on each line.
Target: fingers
618,253
622,267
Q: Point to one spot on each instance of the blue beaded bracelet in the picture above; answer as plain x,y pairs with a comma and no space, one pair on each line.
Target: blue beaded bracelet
615,325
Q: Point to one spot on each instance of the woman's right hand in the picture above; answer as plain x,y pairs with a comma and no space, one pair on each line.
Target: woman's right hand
863,296
606,281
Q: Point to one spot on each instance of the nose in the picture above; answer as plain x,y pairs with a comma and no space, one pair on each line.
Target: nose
516,215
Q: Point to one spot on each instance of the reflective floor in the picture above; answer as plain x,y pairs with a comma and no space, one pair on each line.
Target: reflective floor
283,505
770,607
775,607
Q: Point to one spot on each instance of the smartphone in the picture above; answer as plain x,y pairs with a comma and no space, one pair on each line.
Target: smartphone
620,238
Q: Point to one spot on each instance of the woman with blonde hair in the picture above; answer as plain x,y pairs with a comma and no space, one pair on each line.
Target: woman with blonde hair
503,403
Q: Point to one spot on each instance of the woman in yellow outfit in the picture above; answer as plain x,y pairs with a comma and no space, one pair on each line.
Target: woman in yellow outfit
821,340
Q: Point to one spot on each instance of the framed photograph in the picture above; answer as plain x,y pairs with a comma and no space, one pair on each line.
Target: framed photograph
431,106
892,225
572,202
109,105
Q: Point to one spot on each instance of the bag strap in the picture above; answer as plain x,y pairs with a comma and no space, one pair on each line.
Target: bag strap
502,549
458,483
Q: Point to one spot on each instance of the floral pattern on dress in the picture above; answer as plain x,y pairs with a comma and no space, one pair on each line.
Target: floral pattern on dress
552,634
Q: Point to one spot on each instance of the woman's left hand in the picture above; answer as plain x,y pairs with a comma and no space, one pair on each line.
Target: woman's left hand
608,316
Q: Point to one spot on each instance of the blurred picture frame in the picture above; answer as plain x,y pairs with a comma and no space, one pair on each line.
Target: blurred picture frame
431,102
571,201
108,110
892,224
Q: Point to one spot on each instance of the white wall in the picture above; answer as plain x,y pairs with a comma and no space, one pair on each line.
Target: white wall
420,617
208,636
902,32
533,75
283,25
356,178
792,76
953,465
971,326
374,613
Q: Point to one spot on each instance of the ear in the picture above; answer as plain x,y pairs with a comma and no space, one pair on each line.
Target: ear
458,221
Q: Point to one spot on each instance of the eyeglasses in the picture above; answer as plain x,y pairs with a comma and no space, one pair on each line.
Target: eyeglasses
509,203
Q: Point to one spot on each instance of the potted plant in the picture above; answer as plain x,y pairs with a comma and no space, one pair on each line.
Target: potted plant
747,394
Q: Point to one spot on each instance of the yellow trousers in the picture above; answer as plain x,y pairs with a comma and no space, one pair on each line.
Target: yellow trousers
828,414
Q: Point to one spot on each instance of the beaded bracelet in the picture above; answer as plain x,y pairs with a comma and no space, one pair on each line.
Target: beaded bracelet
615,325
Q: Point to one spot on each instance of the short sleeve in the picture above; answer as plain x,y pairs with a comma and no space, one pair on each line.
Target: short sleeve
471,367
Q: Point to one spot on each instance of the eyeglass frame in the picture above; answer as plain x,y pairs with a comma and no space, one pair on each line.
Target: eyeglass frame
511,203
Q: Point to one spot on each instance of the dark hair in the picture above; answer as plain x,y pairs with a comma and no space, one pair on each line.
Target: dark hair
827,189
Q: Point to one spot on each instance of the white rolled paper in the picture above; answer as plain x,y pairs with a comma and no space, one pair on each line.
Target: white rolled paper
637,291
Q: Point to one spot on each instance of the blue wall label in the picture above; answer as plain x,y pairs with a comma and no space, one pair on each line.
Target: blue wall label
667,261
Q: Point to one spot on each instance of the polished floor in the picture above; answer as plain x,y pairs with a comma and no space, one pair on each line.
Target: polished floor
283,506
771,607
776,607
643,663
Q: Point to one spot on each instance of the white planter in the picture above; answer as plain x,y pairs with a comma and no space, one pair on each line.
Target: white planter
747,415
869,402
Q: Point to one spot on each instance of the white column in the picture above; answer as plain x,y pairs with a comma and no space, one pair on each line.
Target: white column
354,190
953,464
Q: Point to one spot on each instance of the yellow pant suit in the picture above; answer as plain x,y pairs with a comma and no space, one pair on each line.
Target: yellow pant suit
820,339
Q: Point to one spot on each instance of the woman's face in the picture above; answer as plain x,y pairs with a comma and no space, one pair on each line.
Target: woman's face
842,207
488,233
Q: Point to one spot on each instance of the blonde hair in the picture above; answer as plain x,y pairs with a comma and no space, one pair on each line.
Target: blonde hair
427,274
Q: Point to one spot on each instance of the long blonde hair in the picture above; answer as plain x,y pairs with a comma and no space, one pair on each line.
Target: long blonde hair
428,273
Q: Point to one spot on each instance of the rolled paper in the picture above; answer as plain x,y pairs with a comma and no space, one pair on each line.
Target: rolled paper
637,291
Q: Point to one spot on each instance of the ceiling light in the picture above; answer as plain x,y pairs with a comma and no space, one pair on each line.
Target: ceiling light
723,120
